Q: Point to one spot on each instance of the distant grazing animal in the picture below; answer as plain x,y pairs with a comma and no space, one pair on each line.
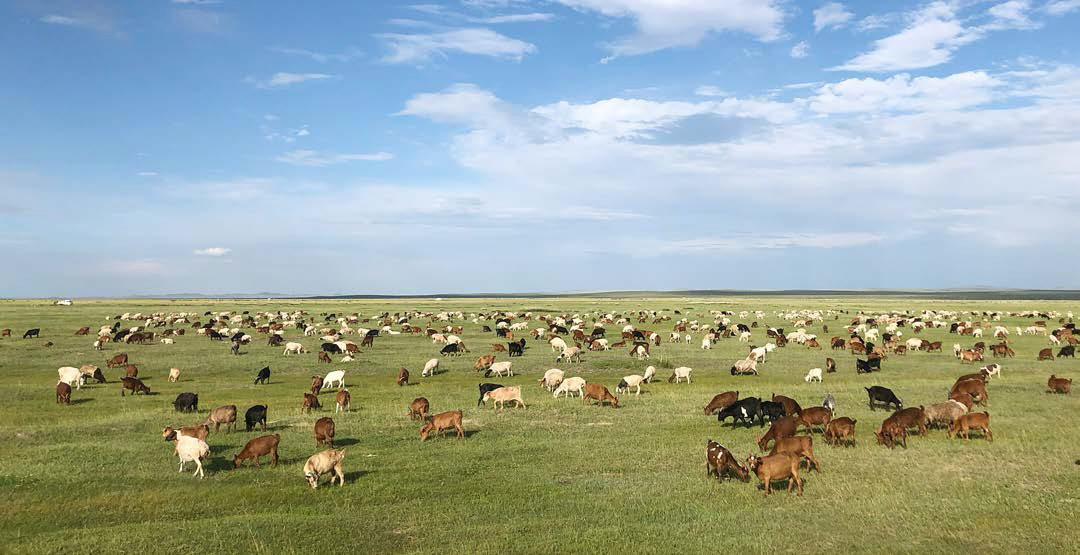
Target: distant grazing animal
840,430
118,360
972,421
134,385
326,462
721,401
324,432
342,401
815,416
791,407
419,408
772,411
174,375
63,393
781,428
600,394
502,368
500,396
323,357
1046,354
569,354
316,384
485,388
884,396
974,387
800,447
450,349
186,402
225,414
32,332
516,348
1067,351
569,385
680,373
813,374
131,371
71,376
83,330
442,422
292,348
719,460
1059,385
829,401
497,348
6,332
334,379
201,431
255,415
552,378
943,413
650,371
403,377
776,467
867,366
264,376
744,367
744,410
430,368
262,445
483,363
633,380
310,402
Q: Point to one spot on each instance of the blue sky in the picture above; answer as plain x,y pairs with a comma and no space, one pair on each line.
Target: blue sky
536,145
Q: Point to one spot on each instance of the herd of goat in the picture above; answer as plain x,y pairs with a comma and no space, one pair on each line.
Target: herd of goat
874,336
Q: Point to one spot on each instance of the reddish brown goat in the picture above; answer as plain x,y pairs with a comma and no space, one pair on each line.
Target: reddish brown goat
800,447
776,467
972,421
402,377
975,388
118,360
316,384
815,416
840,430
791,408
263,445
441,422
63,393
419,408
1046,354
600,394
134,385
781,427
310,402
497,348
719,460
324,432
483,363
721,401
1058,385
963,398
131,371
323,357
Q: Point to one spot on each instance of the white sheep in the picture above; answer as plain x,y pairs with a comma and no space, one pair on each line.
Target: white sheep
1054,340
191,449
813,374
687,339
680,373
569,354
293,348
167,341
347,358
633,380
552,378
174,374
337,376
557,344
502,368
705,343
640,352
430,368
649,373
570,384
71,376
744,337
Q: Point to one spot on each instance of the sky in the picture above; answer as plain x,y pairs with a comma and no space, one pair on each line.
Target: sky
377,147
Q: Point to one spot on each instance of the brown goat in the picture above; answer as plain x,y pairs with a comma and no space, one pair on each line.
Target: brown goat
964,399
134,385
791,407
497,348
324,431
323,357
1058,385
972,421
800,447
316,384
892,432
63,393
721,401
815,416
830,365
975,388
200,431
840,430
442,422
310,402
342,401
258,447
419,408
118,360
1046,354
131,371
402,377
911,417
776,467
600,394
483,363
718,460
781,427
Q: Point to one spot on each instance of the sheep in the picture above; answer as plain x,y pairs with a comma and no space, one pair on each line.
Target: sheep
191,449
552,378
326,462
503,368
294,348
167,341
568,385
558,345
633,380
943,413
813,374
343,401
174,374
337,376
706,344
679,373
503,394
430,368
687,339
569,354
70,376
650,371
745,366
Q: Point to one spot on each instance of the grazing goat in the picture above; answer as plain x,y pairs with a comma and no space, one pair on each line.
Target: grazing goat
262,445
840,430
883,396
191,449
501,395
430,368
264,376
419,408
134,385
780,428
800,447
744,410
326,462
680,373
334,379
63,393
721,401
972,421
719,460
569,385
222,415
402,377
776,467
633,380
503,368
310,402
600,394
324,432
442,422
1058,385
552,378
255,415
813,374
343,401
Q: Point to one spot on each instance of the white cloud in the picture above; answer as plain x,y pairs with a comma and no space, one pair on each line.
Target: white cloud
348,55
283,79
515,18
100,22
1011,15
710,90
1061,7
304,157
422,48
905,93
834,240
147,174
800,50
832,15
665,24
212,251
933,34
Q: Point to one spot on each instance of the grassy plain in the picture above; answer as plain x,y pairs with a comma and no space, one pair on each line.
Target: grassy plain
558,477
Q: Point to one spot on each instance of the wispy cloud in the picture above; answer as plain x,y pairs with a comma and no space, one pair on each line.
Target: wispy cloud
1061,7
312,158
800,50
934,33
200,20
212,251
348,55
832,15
99,21
422,48
284,79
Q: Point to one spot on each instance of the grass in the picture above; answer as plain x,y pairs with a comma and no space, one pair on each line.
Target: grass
558,477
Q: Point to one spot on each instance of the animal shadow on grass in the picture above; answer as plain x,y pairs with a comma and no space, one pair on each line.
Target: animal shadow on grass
780,486
80,401
356,475
345,442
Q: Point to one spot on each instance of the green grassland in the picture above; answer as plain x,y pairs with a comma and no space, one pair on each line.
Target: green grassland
561,476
